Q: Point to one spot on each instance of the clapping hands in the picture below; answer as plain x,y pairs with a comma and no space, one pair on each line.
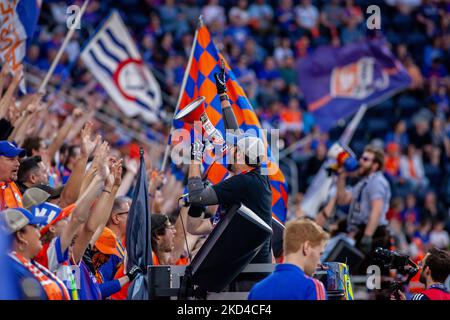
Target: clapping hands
87,144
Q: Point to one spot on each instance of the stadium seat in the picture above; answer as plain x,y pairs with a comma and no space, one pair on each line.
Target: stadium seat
377,127
358,145
416,39
384,108
408,105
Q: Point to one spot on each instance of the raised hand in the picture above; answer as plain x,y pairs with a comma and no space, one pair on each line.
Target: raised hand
77,113
32,108
35,104
221,79
197,149
132,165
13,112
88,145
115,177
101,160
133,273
156,181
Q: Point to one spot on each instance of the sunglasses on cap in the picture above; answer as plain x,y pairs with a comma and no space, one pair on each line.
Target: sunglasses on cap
170,226
167,223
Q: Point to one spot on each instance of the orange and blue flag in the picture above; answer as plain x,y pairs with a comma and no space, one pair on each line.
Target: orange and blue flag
200,82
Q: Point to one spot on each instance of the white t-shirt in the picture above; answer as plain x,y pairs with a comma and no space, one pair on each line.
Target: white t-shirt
439,239
307,16
243,15
281,54
411,3
213,13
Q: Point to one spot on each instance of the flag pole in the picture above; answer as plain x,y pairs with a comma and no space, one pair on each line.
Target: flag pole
42,87
321,183
347,135
180,95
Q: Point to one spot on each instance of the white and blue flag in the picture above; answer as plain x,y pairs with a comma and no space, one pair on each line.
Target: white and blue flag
18,20
113,58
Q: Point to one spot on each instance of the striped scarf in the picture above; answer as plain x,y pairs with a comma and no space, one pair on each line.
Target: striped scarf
53,287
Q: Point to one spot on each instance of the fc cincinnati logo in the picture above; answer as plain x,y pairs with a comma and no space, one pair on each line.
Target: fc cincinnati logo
358,80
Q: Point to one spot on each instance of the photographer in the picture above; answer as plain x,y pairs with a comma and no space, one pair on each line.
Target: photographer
369,202
435,270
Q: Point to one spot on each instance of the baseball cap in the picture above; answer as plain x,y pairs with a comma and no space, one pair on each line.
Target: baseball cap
392,147
54,192
107,241
10,150
34,196
52,214
252,146
15,219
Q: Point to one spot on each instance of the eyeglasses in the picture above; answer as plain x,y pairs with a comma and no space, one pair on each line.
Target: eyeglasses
120,213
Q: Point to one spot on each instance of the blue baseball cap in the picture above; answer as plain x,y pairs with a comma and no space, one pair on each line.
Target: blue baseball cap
10,150
15,219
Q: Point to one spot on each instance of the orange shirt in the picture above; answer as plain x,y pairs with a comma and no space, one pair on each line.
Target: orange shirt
412,170
289,116
123,293
183,261
392,166
10,196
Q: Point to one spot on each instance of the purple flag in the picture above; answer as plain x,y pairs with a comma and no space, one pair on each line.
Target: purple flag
337,81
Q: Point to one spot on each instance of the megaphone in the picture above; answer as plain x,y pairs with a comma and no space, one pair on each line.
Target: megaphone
343,156
195,111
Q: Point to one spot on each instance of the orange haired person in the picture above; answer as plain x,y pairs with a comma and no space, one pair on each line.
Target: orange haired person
304,242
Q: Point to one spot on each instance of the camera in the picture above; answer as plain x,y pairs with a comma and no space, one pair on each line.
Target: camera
392,260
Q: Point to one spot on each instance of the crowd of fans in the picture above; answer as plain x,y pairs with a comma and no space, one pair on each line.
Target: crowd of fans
262,41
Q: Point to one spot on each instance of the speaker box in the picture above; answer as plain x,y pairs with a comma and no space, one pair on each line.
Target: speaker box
230,247
277,238
345,253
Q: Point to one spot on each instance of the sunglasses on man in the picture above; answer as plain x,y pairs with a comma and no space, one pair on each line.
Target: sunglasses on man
366,159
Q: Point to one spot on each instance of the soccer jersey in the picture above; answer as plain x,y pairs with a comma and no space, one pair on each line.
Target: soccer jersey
57,261
51,255
288,282
435,292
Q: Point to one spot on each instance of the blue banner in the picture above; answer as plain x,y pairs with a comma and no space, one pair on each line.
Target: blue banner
337,81
138,235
